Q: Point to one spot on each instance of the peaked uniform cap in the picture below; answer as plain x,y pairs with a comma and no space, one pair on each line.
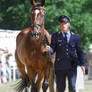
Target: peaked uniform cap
63,18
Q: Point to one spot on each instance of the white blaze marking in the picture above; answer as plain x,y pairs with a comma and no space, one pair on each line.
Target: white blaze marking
36,12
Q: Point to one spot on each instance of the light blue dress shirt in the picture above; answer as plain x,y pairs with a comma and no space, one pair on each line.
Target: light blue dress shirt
68,35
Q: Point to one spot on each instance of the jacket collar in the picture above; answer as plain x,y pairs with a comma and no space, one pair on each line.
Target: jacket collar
71,37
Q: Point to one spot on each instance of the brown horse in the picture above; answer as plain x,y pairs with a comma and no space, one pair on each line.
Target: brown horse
30,59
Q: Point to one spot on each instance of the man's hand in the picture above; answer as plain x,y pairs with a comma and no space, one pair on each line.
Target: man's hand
83,69
45,48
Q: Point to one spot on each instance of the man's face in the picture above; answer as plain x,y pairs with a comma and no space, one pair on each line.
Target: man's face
64,26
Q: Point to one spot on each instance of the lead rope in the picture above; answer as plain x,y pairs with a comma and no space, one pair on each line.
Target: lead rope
45,43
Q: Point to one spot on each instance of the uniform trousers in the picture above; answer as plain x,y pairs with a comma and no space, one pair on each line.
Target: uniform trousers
62,75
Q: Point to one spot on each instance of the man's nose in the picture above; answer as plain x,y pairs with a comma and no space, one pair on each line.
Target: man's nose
64,25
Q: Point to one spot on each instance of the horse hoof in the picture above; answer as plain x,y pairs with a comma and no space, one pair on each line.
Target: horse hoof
26,89
34,88
45,86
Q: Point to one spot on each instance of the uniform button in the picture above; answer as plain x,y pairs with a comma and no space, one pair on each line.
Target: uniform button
59,44
57,59
67,53
66,49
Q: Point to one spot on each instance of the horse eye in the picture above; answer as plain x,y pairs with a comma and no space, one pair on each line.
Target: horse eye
32,12
41,11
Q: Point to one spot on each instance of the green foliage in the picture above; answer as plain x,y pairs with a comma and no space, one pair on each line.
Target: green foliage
14,14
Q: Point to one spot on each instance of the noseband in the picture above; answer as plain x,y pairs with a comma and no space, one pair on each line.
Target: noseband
34,25
36,34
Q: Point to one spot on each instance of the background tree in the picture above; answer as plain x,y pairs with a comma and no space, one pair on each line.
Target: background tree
15,14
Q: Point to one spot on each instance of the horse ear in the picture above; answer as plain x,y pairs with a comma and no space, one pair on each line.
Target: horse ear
43,2
33,2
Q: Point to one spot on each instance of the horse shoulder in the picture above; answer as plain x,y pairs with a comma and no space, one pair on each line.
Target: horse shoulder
26,30
22,35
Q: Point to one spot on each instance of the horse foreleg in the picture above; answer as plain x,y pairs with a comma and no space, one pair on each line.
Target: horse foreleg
32,75
25,80
38,83
45,84
46,77
21,67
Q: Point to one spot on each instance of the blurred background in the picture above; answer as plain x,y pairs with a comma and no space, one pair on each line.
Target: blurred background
15,16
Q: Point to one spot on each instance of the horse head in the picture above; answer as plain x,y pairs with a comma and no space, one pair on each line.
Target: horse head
37,18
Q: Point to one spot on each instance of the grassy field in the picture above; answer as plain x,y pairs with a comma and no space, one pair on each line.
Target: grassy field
8,86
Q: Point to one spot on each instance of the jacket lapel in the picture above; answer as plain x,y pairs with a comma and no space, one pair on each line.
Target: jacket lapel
71,37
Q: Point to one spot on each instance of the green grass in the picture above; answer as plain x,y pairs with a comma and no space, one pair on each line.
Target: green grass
3,87
8,87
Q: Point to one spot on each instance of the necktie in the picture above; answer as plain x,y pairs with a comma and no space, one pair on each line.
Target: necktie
65,37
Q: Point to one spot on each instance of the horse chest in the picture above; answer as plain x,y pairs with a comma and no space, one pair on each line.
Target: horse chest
37,59
34,54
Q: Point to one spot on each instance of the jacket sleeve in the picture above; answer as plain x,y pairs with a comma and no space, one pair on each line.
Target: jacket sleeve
80,52
53,44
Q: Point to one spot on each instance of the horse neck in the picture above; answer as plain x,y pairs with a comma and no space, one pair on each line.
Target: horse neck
42,35
36,44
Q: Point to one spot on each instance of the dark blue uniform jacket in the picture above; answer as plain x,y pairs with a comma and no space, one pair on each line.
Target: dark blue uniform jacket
67,55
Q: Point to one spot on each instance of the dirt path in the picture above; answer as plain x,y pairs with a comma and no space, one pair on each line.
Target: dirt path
8,87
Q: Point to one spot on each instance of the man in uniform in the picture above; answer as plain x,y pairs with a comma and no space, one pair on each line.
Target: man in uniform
69,54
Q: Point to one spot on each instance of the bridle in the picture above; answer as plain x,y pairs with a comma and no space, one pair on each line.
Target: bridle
35,24
36,34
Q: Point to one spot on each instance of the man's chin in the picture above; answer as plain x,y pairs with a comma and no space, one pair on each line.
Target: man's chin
65,30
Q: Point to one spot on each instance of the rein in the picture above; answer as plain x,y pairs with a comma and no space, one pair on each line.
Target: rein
45,42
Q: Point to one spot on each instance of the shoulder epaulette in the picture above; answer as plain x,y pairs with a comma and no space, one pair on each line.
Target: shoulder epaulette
73,33
59,31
